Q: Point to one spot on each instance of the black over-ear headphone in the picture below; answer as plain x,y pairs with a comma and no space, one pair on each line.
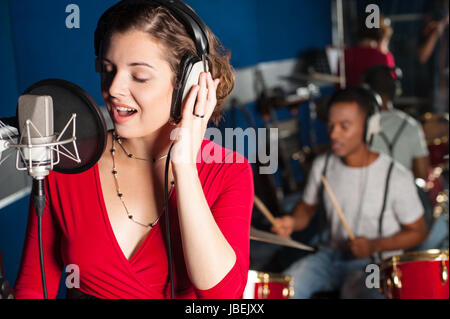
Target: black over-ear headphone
191,66
372,125
391,77
373,120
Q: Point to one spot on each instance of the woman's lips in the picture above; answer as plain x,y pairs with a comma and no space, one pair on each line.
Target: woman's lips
120,115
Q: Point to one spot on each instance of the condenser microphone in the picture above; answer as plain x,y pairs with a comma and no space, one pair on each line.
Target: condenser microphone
35,120
51,109
60,128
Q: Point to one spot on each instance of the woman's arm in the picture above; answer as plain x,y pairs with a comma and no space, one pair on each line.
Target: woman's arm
209,257
216,240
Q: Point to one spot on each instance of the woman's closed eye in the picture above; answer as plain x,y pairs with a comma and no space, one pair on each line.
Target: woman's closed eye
139,79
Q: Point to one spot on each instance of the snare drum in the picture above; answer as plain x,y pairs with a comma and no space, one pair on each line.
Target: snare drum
261,285
416,275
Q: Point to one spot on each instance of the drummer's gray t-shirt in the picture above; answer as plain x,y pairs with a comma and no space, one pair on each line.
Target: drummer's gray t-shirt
360,193
410,143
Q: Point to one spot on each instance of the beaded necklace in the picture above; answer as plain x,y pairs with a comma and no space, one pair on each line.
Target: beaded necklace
115,174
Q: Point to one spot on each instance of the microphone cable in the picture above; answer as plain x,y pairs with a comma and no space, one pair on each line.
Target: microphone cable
38,195
168,236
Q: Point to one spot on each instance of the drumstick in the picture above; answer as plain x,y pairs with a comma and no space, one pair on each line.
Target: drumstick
265,211
338,208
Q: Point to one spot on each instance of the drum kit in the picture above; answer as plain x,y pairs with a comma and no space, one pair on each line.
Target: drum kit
264,285
436,131
412,275
424,274
416,275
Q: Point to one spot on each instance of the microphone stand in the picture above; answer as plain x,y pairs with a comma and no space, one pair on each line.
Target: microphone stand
38,196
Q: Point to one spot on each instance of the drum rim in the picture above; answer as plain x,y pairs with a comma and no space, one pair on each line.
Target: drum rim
421,255
272,277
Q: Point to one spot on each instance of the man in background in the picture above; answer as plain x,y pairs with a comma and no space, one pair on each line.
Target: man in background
401,136
378,198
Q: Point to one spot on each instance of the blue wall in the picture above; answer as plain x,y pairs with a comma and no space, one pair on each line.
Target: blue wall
254,30
36,45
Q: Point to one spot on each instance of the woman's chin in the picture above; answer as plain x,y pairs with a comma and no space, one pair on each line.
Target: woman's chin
134,131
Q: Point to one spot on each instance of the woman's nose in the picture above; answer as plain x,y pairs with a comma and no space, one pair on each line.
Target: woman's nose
118,86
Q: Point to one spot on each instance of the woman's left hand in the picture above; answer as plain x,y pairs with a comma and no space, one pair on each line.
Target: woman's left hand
189,133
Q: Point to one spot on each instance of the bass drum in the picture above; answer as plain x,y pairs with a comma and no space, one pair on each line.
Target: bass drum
261,285
416,275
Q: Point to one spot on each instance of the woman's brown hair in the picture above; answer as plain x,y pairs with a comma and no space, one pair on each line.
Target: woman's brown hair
158,22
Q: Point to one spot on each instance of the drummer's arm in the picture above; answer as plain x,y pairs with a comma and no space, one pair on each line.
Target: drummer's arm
420,167
298,220
409,237
302,214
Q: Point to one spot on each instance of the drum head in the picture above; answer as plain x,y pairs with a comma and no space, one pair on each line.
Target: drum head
258,276
430,255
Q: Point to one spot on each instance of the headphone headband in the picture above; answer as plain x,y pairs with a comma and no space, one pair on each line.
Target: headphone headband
194,25
192,22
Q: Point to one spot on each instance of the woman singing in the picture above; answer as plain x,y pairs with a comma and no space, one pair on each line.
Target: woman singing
109,221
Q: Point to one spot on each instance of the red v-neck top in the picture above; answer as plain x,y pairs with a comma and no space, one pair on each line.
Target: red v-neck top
77,231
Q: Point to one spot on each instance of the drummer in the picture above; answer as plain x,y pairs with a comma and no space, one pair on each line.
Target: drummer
402,136
358,178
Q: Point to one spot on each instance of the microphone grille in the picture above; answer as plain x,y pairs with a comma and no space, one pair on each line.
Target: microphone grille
39,110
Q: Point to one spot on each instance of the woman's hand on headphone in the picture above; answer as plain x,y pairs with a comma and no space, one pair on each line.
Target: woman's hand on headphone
197,110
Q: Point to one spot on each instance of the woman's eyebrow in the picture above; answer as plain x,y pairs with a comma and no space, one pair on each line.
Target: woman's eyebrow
132,64
141,64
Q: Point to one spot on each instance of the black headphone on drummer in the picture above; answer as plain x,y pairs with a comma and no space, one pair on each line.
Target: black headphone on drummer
384,79
191,66
370,100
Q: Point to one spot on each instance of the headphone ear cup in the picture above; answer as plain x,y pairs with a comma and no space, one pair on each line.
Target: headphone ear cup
188,76
397,81
192,79
373,126
373,120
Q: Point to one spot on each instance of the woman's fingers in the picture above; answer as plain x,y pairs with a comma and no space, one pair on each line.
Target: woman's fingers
190,103
200,107
212,94
202,99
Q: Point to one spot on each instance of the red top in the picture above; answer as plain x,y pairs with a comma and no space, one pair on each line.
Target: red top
358,59
76,230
